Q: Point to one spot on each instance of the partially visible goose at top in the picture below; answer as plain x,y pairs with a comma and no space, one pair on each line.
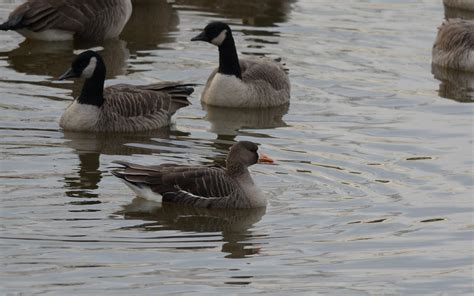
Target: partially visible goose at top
121,107
244,83
200,186
53,20
454,45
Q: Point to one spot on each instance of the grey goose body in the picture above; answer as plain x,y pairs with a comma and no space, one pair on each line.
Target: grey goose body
200,186
242,83
122,107
53,20
454,45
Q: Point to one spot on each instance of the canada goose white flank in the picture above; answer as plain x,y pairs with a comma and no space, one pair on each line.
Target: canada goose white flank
53,20
244,83
121,107
200,186
454,45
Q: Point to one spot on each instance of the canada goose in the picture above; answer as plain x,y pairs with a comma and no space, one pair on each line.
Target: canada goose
53,20
200,186
121,107
454,45
248,83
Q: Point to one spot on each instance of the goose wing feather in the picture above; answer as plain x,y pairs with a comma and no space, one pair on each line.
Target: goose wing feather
192,185
264,71
69,15
131,101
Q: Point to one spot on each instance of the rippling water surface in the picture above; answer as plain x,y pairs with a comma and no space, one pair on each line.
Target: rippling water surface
371,193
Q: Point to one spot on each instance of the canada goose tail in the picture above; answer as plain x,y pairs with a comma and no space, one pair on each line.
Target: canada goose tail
179,96
178,103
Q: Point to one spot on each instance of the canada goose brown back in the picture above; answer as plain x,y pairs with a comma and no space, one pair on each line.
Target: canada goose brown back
454,45
52,20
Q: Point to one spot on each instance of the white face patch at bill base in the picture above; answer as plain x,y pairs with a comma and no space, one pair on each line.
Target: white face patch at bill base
89,70
219,39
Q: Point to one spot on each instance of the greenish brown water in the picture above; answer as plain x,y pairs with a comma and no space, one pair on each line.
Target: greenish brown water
371,193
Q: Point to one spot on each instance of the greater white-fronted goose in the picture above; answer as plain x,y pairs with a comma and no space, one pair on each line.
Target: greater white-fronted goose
121,107
454,45
243,83
200,186
53,20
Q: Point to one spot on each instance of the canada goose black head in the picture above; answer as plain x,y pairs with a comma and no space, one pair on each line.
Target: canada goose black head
86,65
215,33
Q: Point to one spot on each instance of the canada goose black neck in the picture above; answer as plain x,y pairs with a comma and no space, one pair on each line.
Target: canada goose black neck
228,58
93,90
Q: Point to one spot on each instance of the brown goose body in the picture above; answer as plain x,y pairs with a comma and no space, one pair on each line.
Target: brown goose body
199,186
53,20
454,45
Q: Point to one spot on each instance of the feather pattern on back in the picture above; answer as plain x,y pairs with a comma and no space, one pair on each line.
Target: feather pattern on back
88,19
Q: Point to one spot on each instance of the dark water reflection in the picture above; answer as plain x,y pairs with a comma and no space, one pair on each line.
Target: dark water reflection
455,85
233,225
228,121
262,13
54,58
150,25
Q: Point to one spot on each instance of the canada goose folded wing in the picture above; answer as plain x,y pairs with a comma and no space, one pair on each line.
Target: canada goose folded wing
131,101
264,71
192,185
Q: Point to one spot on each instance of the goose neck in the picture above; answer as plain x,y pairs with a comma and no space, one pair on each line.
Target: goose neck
228,58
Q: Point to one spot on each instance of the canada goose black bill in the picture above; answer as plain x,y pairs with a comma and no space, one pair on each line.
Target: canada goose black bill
200,186
54,20
244,83
121,107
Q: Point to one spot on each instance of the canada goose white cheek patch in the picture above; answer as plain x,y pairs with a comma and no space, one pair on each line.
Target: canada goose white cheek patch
89,70
219,39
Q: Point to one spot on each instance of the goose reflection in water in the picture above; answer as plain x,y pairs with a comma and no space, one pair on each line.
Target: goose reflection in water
90,146
150,24
51,58
455,85
228,121
233,224
261,13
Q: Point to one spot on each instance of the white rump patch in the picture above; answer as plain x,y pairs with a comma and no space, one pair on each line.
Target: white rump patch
144,192
89,70
219,39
